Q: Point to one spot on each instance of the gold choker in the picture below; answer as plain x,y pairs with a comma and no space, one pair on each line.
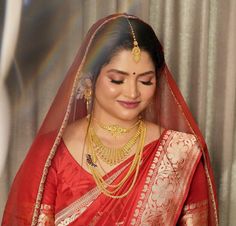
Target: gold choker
116,130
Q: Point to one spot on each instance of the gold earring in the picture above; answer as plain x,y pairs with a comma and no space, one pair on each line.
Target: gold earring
88,98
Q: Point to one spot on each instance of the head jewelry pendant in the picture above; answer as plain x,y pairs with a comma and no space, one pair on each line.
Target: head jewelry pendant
136,52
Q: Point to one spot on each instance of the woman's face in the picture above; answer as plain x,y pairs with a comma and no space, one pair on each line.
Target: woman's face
124,88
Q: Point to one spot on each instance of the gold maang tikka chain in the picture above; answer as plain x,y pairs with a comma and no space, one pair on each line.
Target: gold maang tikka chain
136,52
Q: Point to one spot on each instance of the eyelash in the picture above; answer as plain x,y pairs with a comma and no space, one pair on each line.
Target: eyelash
118,82
148,83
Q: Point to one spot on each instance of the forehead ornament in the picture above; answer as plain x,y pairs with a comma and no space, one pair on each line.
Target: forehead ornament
136,52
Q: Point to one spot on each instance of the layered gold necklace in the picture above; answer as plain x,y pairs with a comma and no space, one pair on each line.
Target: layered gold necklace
112,156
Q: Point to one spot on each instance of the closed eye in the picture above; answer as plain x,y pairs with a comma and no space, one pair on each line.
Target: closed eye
147,83
117,81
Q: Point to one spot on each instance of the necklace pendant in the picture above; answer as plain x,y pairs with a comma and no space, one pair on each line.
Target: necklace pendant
90,161
116,130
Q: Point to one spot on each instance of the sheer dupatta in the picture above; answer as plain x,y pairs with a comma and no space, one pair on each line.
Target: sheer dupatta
169,111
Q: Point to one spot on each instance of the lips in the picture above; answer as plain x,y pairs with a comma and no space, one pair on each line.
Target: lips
129,104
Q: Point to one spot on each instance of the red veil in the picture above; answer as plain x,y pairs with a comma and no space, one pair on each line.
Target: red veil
170,110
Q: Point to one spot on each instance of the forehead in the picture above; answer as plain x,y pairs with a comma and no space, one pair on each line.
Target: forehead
123,60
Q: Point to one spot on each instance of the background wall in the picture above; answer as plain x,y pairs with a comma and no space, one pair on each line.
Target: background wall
199,39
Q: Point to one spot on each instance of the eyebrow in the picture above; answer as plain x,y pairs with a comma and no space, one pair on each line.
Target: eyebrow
126,73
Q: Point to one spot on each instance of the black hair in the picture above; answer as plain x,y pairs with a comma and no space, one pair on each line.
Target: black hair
116,35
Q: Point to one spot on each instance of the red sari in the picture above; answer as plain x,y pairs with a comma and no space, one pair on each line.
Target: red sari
175,183
171,188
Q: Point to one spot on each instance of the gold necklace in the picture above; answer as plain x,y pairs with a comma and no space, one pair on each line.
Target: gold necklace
103,185
111,156
116,130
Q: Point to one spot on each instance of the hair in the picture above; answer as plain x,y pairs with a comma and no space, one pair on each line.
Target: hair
115,36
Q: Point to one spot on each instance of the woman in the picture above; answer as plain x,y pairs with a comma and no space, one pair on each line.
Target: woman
119,145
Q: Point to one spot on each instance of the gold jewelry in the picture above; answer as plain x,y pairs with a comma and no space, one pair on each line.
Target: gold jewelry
111,156
116,130
105,187
136,52
88,97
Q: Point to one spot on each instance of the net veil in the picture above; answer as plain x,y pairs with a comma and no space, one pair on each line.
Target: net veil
169,110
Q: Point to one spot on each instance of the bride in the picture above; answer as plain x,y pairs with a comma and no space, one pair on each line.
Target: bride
118,145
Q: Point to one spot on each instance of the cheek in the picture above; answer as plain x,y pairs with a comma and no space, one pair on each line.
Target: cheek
111,90
149,93
105,88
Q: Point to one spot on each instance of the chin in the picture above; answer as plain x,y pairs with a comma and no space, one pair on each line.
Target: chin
131,115
128,117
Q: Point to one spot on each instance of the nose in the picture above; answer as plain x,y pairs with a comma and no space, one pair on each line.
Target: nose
132,90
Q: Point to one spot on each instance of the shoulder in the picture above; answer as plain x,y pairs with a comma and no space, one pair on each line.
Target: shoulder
75,130
74,136
181,144
178,136
154,131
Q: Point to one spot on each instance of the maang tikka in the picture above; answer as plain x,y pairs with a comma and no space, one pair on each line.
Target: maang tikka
136,52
